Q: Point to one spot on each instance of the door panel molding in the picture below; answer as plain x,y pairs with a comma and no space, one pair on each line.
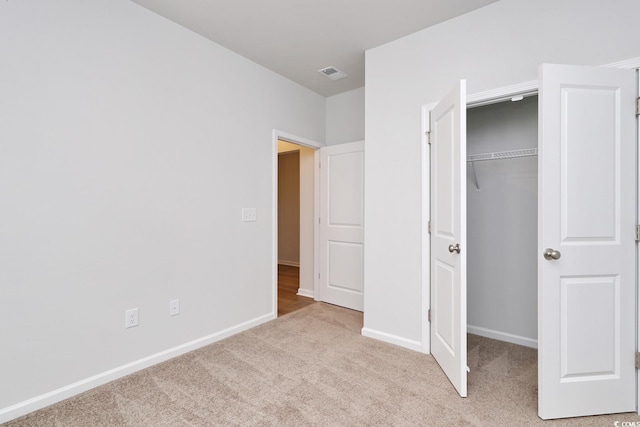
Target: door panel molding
341,229
586,199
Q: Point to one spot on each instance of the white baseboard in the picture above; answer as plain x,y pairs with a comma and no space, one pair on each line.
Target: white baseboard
39,402
502,336
392,339
305,293
289,263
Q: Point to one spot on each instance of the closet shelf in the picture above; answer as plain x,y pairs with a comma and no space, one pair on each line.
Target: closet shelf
503,155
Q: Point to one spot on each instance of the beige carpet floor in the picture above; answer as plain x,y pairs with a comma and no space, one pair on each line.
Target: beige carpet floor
313,368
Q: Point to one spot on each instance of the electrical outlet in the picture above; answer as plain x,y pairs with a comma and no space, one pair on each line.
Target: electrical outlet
174,307
249,215
131,318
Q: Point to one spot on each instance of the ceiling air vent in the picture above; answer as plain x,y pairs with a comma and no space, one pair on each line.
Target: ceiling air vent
333,73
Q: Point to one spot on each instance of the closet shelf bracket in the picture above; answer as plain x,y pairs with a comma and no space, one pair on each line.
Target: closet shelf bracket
475,176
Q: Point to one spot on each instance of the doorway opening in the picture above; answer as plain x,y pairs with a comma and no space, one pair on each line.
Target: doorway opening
295,261
295,226
502,205
331,243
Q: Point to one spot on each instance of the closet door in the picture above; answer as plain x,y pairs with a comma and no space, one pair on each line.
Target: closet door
586,269
448,142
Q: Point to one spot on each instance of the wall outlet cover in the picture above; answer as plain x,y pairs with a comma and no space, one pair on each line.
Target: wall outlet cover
249,215
131,318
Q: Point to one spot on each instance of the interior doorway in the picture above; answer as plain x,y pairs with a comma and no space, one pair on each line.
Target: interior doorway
295,226
331,221
502,198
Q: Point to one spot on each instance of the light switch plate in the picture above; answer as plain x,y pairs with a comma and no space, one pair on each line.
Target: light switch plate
174,307
249,215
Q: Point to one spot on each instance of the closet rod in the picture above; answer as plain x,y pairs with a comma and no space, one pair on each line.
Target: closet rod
503,155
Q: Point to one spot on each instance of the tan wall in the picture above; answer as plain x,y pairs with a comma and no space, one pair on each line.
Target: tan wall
289,208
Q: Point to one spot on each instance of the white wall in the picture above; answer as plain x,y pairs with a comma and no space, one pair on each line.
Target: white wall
498,45
345,117
128,146
502,223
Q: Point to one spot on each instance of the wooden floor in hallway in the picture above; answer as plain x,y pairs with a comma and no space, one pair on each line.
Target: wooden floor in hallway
288,284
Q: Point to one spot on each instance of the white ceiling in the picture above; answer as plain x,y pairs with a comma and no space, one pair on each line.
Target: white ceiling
296,38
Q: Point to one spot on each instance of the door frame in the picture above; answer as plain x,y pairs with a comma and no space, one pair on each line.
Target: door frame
637,67
309,143
478,99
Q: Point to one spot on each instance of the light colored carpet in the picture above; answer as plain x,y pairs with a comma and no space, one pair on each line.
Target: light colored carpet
313,368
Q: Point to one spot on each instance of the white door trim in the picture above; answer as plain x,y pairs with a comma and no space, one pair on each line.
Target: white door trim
476,99
426,216
284,136
637,248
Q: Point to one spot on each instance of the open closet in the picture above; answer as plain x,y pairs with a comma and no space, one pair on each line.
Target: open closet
565,221
502,220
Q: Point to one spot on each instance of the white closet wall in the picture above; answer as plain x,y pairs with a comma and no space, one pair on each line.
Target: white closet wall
502,223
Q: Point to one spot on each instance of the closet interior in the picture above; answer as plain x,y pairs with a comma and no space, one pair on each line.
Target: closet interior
502,220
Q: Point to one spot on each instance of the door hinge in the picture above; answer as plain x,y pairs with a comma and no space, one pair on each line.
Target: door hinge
428,136
637,360
429,317
319,220
637,233
429,225
638,106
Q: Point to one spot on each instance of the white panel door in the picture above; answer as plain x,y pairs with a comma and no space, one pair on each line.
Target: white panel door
341,246
448,141
586,269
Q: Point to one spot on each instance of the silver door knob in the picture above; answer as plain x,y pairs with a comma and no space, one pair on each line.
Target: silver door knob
455,248
551,254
